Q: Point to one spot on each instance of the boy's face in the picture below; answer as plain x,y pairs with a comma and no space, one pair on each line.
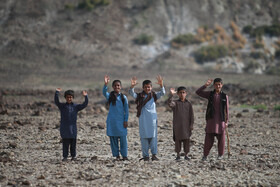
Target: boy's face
218,86
69,99
147,88
182,94
117,87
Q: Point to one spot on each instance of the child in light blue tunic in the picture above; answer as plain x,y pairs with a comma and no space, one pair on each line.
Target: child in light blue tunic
117,118
146,111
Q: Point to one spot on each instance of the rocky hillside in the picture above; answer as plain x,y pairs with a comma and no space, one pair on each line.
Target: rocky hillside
50,36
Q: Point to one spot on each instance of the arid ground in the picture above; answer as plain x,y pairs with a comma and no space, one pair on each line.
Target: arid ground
31,149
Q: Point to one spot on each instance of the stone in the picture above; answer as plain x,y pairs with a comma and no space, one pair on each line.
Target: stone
12,145
101,125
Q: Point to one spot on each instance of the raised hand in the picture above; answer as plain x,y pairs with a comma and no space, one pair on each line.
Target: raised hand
172,91
159,80
84,93
58,89
208,82
133,81
106,79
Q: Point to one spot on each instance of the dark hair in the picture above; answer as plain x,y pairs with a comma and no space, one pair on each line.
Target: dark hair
145,82
69,92
181,88
218,80
112,96
115,82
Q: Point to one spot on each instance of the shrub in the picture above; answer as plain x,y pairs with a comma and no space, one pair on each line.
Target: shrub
69,6
258,45
185,39
273,71
210,53
91,4
256,55
277,54
143,39
247,29
272,30
277,107
252,65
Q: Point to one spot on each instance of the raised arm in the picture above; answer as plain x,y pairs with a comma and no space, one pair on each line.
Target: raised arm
201,92
85,103
131,90
56,98
105,87
171,103
160,83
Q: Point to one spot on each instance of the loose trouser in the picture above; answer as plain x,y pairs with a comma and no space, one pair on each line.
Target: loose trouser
114,142
186,146
66,142
209,141
149,143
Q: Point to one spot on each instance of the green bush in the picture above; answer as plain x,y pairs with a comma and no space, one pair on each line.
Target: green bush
210,53
185,39
258,45
143,39
69,6
272,30
252,65
277,107
91,4
247,29
277,54
256,55
273,71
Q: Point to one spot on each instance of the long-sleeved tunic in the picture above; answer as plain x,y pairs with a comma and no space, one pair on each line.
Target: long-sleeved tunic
183,118
215,124
148,117
118,114
68,113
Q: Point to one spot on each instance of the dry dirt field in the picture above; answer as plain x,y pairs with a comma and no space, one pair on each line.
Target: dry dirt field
31,152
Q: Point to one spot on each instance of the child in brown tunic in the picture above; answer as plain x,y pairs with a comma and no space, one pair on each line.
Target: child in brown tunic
216,116
183,119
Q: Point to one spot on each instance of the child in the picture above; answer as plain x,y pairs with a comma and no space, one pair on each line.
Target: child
146,111
117,118
183,120
68,122
216,116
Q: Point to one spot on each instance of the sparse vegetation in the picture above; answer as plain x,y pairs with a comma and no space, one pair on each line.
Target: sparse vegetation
277,54
210,53
273,70
272,30
91,4
277,107
69,6
252,65
184,39
237,36
143,39
256,107
256,54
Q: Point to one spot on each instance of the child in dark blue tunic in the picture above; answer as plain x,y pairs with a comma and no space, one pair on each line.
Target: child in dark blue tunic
68,122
